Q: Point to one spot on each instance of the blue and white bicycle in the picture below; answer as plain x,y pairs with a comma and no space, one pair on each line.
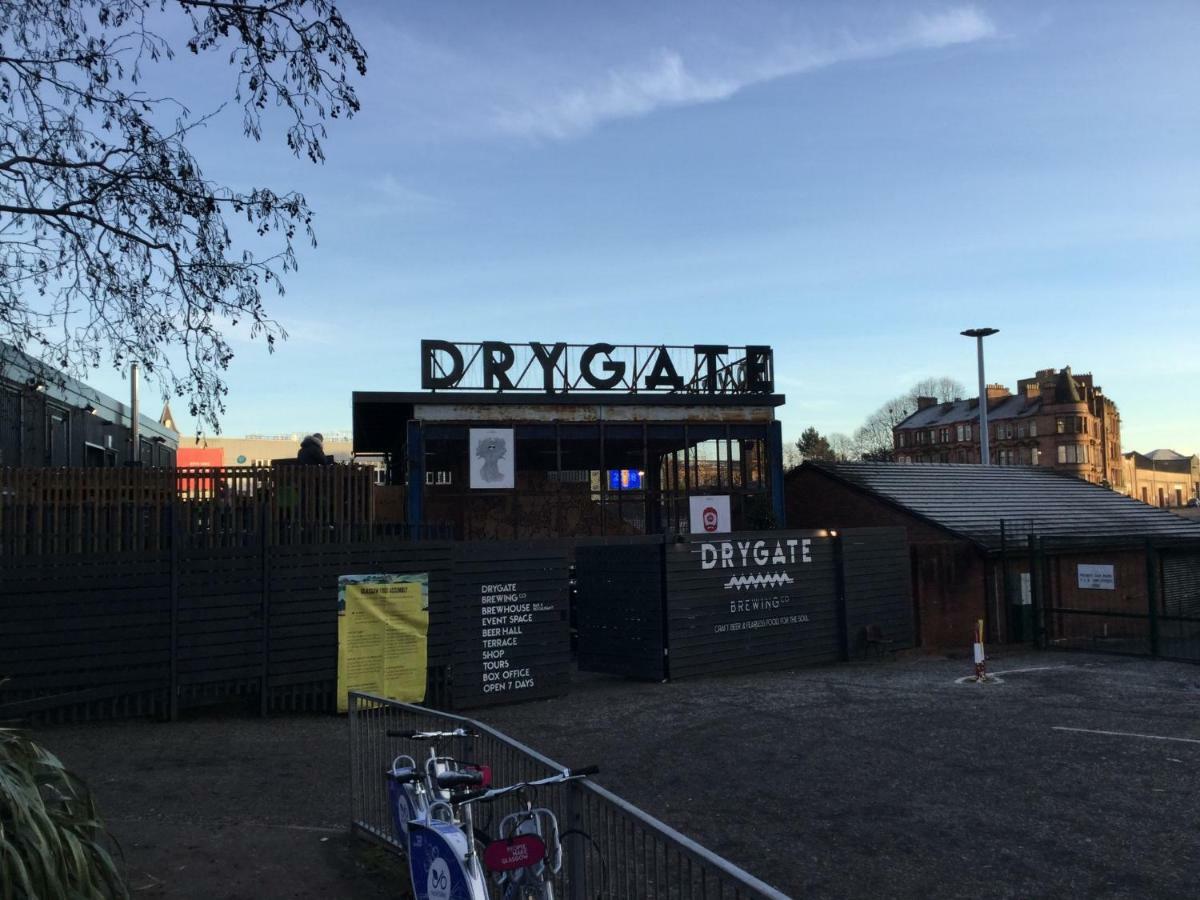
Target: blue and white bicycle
432,810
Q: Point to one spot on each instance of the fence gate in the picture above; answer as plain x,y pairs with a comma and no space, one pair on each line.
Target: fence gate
618,609
1179,624
1133,598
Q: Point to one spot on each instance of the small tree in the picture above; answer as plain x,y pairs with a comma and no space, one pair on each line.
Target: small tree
813,446
113,241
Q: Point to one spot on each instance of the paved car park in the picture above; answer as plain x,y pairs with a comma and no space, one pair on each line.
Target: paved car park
1075,776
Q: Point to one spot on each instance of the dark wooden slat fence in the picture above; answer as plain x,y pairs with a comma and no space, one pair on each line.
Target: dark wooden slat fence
740,602
65,510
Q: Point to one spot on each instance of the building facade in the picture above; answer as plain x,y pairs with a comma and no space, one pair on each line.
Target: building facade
1058,420
259,449
543,441
47,419
1162,478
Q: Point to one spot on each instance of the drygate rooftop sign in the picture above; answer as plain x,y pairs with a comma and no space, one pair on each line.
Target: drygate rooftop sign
563,368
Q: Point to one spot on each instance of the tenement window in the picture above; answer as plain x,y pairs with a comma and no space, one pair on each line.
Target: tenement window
1072,453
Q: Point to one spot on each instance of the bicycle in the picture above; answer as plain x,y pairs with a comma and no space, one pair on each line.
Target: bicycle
412,788
441,840
528,852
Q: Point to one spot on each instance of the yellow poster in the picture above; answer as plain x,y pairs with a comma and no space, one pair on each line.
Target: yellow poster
383,622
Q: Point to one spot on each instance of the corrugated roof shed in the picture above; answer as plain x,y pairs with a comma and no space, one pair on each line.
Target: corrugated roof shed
972,500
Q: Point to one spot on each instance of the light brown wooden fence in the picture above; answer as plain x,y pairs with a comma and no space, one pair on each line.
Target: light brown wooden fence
62,510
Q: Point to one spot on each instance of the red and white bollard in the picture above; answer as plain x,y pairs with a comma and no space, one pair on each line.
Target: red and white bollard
980,656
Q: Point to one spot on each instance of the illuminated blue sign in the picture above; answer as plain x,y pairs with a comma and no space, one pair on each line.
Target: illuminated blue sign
624,480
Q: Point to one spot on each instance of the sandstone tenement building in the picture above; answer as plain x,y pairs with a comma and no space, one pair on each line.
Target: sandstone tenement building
1055,419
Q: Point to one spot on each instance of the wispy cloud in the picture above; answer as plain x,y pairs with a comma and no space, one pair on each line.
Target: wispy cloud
388,196
668,81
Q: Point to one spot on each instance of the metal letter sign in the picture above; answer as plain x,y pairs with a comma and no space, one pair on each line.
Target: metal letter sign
562,368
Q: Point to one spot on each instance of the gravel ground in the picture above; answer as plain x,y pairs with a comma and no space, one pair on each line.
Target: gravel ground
872,779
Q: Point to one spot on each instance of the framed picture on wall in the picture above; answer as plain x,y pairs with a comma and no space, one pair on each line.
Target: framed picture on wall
492,458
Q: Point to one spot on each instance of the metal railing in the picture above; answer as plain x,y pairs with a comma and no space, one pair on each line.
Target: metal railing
611,849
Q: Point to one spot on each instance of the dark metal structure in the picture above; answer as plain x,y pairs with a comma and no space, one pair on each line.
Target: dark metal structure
567,449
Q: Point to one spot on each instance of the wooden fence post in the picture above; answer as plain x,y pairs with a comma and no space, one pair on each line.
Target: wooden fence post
265,617
173,699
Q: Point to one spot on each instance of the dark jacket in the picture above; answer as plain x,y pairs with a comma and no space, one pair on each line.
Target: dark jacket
311,453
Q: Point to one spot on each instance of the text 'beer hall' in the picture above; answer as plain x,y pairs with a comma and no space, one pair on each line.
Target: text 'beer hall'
534,440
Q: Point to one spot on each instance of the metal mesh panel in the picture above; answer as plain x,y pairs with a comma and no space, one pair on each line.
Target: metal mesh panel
611,849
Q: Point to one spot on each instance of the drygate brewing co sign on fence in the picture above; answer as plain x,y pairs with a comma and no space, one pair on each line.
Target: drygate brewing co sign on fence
562,368
755,574
751,600
513,640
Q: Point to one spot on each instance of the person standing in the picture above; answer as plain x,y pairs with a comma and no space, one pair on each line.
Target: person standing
312,451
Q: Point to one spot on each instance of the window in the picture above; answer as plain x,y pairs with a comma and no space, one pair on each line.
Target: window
1035,456
1072,453
945,435
932,436
1004,457
1020,429
1060,426
1033,427
902,437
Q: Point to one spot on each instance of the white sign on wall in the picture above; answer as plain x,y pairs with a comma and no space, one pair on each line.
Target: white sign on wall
1096,577
709,515
492,458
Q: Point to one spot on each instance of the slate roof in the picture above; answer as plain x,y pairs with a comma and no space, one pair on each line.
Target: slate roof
1161,454
1011,407
971,500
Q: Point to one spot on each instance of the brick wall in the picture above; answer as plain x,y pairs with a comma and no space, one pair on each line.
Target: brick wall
949,587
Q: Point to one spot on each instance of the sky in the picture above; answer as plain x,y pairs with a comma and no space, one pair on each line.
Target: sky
853,183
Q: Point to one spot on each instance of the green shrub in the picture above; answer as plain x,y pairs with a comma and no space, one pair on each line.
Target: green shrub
52,843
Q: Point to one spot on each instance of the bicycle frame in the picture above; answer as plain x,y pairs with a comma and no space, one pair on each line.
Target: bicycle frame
444,861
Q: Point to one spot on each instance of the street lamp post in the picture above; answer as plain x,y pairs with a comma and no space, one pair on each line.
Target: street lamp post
979,334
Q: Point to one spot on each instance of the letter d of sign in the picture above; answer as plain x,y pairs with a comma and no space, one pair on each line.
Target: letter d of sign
434,375
617,369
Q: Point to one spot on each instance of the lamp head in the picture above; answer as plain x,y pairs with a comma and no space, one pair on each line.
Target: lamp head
979,332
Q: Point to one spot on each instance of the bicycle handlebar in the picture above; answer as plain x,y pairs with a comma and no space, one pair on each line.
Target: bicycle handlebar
493,793
431,735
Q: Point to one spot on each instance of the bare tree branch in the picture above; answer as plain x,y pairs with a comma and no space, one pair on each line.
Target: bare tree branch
113,243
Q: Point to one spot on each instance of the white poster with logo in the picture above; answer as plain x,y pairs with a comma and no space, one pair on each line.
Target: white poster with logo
492,458
709,515
1096,578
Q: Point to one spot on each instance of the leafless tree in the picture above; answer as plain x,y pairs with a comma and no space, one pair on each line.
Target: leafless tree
113,242
874,441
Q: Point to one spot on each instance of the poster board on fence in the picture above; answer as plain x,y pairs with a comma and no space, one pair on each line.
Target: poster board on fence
709,514
1096,577
383,627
